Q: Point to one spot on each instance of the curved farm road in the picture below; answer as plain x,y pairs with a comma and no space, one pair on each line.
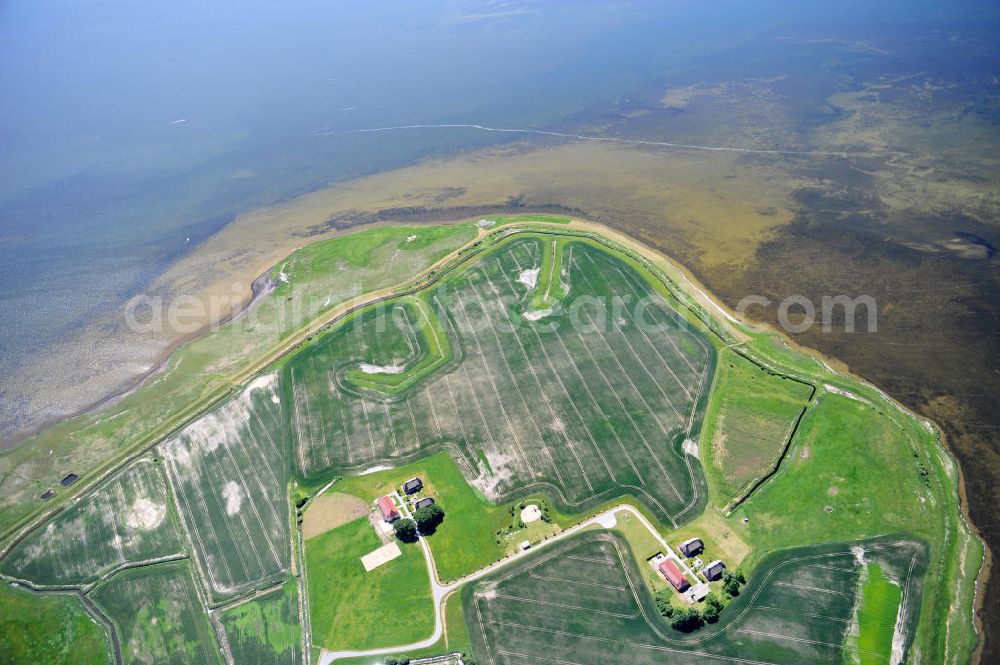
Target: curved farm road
440,591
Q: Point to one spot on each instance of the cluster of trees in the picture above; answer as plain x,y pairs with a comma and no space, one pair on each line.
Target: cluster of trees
687,619
732,581
425,522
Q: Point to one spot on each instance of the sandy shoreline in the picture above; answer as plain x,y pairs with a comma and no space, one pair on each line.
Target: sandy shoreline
105,359
161,350
260,287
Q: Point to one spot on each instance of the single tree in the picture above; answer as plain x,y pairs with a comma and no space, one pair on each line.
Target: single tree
428,518
406,530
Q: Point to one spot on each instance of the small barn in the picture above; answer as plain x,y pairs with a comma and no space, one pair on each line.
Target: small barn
388,509
48,494
692,547
69,479
713,571
412,486
674,575
423,503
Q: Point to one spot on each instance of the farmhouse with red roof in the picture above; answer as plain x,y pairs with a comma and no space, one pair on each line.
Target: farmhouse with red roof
674,575
388,509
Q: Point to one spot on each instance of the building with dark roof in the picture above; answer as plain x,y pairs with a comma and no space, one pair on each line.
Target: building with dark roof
388,509
413,485
69,480
423,503
692,547
713,571
48,494
674,575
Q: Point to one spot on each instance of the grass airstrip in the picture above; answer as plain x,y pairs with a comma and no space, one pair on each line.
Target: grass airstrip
541,363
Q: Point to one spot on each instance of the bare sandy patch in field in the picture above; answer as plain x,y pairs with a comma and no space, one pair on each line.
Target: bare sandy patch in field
503,469
233,494
488,591
381,556
529,277
531,513
145,514
330,511
368,368
719,451
537,314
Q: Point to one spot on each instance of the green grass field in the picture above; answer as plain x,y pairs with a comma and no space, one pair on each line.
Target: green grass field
360,250
750,416
158,615
352,609
880,600
456,639
548,288
516,219
50,629
834,485
265,631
